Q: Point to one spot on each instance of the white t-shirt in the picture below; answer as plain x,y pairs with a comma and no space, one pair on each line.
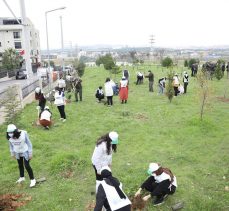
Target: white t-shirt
108,89
59,98
123,83
100,158
113,198
46,115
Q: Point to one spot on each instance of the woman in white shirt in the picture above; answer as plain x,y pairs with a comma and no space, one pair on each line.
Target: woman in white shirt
21,149
109,91
102,155
60,103
45,118
123,93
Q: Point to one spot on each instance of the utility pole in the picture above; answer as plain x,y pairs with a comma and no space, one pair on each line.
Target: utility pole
25,35
26,38
152,41
62,43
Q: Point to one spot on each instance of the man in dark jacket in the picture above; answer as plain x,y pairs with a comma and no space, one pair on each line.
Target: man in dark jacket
151,80
77,84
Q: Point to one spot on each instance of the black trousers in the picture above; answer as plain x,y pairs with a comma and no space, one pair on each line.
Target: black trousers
62,112
27,167
78,91
98,176
99,96
139,80
185,87
109,100
176,91
159,189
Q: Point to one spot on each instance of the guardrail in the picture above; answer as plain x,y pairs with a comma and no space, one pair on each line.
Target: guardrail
30,88
3,73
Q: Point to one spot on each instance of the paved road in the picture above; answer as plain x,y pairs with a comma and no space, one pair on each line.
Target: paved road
11,82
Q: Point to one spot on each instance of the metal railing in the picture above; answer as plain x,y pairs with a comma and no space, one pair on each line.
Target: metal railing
30,88
3,73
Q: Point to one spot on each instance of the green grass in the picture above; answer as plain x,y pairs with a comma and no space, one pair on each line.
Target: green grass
151,130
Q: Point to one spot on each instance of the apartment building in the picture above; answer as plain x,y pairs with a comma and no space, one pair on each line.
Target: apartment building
11,37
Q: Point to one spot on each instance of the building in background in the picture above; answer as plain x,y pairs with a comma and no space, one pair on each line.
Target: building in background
11,37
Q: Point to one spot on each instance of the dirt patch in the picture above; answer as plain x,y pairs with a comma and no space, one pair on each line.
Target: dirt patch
67,174
90,206
141,116
10,202
222,99
137,203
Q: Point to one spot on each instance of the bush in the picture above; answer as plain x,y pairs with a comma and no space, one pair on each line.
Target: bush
167,62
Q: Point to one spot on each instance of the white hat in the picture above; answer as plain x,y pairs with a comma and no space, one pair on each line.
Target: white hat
46,107
114,137
105,168
153,167
37,90
11,128
123,78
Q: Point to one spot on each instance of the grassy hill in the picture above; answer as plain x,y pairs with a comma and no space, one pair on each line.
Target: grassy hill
151,130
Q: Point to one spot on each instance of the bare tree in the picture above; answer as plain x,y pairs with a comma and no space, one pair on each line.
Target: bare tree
203,91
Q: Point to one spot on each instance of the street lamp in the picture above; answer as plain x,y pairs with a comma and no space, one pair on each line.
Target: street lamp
46,13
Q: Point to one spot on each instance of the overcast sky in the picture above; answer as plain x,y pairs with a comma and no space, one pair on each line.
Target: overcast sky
174,23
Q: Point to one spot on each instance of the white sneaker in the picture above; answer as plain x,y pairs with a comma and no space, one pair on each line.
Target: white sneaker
64,120
32,183
21,179
61,119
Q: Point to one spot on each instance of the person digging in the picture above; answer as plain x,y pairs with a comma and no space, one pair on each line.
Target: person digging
160,184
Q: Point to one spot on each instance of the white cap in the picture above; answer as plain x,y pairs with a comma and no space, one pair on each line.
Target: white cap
46,107
11,128
114,137
37,90
105,168
153,167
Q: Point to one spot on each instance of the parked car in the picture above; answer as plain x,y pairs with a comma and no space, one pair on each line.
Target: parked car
21,74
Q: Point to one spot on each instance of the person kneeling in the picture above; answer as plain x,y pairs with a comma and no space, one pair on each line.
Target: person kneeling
161,183
45,118
110,194
99,94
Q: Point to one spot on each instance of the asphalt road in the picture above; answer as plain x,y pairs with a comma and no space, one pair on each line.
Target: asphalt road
22,82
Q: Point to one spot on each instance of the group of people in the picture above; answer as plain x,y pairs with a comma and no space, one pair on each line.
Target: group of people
178,88
109,192
111,88
44,113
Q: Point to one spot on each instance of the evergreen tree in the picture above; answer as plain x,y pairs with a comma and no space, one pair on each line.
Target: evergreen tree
11,59
167,62
169,86
218,70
